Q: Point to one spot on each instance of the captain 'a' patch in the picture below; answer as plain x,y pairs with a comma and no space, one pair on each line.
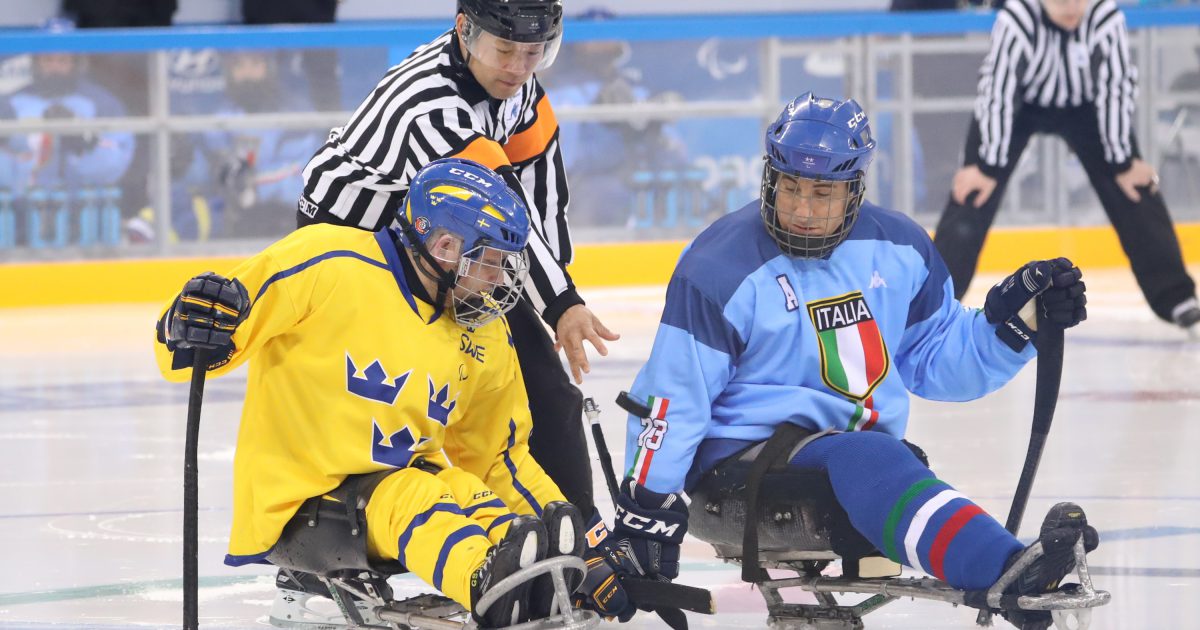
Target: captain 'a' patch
854,357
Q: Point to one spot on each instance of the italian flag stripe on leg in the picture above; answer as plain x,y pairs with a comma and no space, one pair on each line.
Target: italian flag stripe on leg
893,519
937,552
920,521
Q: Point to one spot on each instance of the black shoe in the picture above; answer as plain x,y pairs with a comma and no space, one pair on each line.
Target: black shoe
1187,317
564,529
523,545
1063,526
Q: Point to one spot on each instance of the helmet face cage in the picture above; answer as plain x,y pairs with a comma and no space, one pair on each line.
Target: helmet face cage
489,284
829,212
482,271
817,155
512,39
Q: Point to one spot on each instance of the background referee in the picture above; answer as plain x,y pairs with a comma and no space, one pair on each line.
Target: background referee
1062,67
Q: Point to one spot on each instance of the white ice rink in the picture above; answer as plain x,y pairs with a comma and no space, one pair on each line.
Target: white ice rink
91,451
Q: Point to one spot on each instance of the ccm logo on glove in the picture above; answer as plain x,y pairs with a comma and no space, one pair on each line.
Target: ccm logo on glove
651,526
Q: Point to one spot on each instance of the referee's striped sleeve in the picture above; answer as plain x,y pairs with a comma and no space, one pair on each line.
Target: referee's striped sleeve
548,278
538,163
1116,85
999,95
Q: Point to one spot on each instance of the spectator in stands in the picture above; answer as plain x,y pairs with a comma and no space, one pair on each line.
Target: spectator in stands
608,160
127,76
66,162
242,183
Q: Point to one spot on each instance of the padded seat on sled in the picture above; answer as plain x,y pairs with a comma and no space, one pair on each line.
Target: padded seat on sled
790,515
799,518
329,538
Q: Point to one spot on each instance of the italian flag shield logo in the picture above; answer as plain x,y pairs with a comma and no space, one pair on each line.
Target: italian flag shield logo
854,357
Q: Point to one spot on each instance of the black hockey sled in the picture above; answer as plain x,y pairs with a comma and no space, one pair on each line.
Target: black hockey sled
323,552
808,534
790,520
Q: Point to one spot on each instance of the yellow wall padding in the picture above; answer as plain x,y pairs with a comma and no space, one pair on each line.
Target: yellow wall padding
596,265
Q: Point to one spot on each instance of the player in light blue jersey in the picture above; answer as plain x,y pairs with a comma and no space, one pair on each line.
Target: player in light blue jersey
815,308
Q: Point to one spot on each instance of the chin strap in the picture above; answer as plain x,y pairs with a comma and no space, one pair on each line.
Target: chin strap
445,279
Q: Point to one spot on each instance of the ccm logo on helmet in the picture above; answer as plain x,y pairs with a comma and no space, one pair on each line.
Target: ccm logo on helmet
648,525
859,117
471,176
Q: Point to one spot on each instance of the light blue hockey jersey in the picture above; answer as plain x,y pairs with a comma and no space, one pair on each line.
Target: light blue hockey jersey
750,338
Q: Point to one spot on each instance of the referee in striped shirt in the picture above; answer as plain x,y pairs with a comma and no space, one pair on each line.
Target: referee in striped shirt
471,93
1063,67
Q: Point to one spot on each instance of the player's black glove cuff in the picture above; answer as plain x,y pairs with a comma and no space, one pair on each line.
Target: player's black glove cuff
1059,283
651,525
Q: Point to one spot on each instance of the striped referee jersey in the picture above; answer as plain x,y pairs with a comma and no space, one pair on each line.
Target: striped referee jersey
1033,61
430,107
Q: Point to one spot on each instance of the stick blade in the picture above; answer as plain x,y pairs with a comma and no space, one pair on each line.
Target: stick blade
655,594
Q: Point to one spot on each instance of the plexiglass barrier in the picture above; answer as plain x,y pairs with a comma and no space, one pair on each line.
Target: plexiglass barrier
192,141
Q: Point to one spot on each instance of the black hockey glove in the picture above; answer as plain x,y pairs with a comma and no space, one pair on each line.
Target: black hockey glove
644,543
601,589
650,526
206,313
1059,284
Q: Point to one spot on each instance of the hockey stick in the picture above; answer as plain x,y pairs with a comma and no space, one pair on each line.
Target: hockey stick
610,476
680,596
665,598
1049,345
1045,398
191,492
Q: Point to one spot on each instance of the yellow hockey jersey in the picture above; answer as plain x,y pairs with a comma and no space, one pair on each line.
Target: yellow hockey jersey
349,375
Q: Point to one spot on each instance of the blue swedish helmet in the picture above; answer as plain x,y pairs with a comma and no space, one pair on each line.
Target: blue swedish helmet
471,202
467,199
820,139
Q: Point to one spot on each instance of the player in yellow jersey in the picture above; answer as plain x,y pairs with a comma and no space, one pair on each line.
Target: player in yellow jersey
382,376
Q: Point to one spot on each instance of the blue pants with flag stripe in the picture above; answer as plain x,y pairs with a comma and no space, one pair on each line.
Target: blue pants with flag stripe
905,511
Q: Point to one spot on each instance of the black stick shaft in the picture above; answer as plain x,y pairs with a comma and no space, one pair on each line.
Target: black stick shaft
1045,399
610,475
191,494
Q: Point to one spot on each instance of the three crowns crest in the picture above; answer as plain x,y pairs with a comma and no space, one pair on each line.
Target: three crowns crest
373,384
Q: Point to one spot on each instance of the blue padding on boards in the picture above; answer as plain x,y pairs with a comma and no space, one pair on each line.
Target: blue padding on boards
410,34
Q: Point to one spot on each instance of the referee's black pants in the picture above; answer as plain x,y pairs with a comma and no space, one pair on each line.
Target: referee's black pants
1144,228
557,442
